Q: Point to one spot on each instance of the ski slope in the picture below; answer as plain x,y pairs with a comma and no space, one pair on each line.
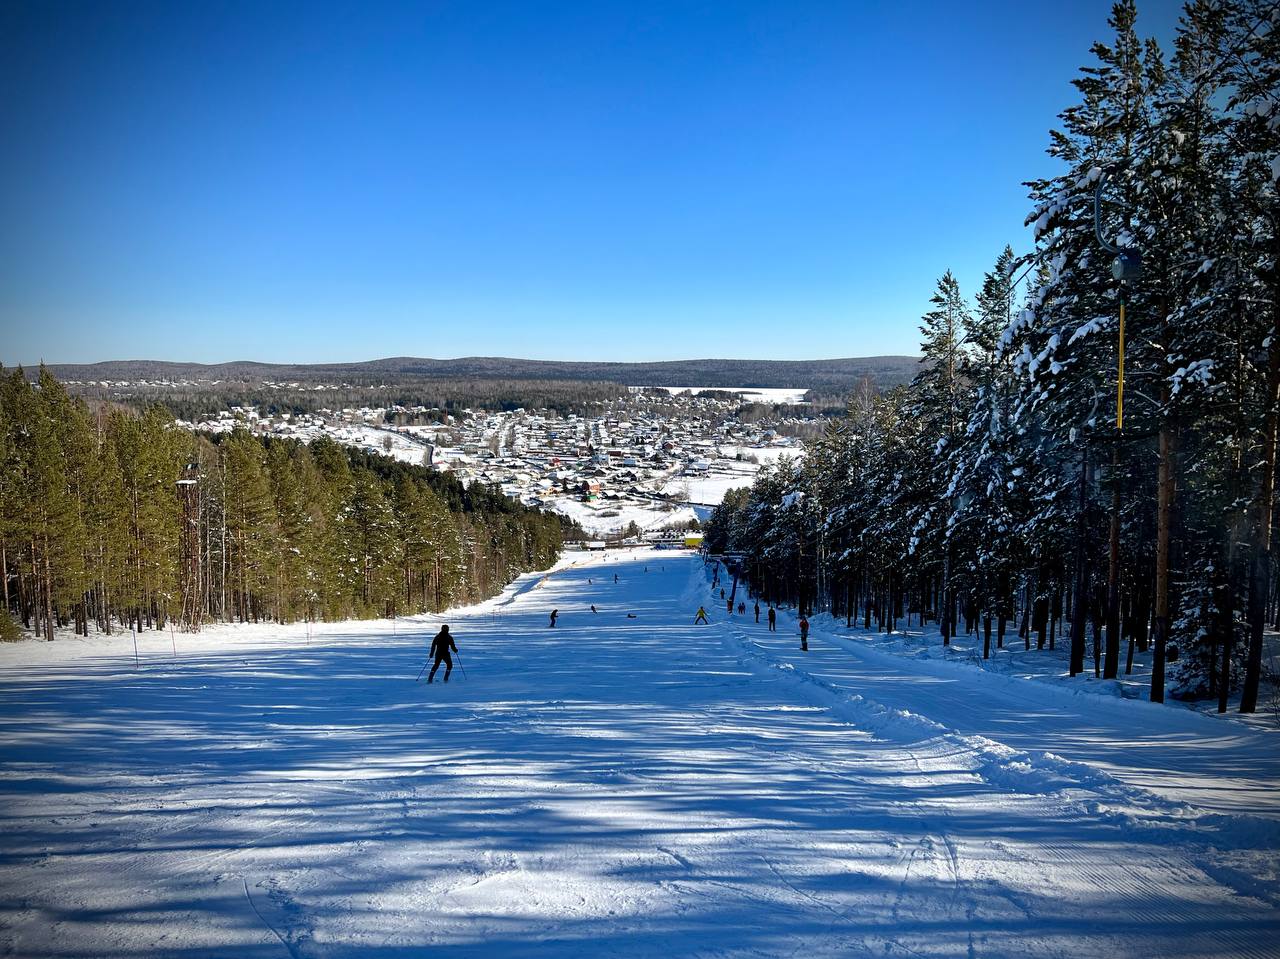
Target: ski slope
613,787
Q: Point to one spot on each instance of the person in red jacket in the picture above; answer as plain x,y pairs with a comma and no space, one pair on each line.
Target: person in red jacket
804,634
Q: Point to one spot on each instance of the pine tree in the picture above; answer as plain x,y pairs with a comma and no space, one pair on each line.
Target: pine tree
251,527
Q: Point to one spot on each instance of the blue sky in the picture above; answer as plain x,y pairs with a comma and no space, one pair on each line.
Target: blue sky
615,181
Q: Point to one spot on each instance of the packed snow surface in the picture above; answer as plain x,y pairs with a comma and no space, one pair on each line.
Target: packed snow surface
613,786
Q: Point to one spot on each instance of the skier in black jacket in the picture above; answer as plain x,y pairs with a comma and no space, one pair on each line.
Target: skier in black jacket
440,647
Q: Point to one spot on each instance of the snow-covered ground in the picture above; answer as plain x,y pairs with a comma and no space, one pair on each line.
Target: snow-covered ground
709,490
615,786
405,448
754,394
726,473
924,648
604,517
764,455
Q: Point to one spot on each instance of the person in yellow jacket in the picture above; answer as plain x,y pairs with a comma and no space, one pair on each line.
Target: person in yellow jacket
701,617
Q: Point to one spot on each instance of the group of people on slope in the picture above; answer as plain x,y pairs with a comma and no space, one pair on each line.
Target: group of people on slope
443,642
701,617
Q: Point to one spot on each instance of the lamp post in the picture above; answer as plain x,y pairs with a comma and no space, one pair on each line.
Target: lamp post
1126,267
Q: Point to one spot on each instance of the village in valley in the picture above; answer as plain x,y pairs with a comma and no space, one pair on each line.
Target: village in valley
651,464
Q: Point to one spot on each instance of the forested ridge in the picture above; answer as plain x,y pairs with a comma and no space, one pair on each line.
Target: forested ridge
441,397
1002,488
729,374
110,518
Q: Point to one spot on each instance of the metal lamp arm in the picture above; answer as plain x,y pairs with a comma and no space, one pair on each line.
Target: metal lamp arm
1097,217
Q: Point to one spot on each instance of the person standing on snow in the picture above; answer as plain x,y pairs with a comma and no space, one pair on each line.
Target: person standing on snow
742,609
757,610
440,647
804,633
554,614
773,620
702,615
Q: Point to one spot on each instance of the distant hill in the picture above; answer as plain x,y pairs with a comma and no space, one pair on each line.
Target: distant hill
884,371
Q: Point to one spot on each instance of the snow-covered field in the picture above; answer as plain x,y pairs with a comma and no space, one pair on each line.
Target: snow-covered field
754,394
709,490
615,786
726,473
605,517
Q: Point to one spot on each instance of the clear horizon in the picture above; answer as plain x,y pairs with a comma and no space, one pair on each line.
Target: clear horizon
468,356
733,181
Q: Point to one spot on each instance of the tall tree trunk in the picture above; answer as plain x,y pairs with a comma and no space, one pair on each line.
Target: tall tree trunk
1262,507
1081,602
1164,506
48,592
1111,658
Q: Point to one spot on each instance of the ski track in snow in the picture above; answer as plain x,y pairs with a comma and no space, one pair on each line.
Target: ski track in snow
612,787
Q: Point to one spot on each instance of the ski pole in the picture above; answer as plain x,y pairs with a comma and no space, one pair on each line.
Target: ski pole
460,666
423,669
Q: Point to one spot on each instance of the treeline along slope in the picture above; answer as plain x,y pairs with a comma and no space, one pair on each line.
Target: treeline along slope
112,518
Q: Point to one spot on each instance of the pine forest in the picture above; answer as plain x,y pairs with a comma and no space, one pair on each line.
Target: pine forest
1087,455
111,519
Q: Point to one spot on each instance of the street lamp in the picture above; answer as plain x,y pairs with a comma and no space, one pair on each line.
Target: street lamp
1126,267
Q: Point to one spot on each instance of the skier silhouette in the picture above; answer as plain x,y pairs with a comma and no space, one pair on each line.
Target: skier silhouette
702,615
440,647
593,608
554,614
757,611
804,634
742,608
773,620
